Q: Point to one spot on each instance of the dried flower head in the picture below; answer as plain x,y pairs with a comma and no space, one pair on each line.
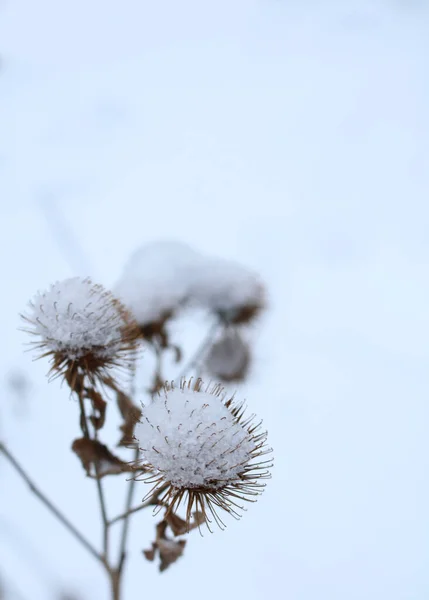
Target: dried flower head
83,328
229,357
199,448
155,283
229,290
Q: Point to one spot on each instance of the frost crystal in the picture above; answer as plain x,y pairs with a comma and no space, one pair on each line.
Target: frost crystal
197,443
80,323
156,280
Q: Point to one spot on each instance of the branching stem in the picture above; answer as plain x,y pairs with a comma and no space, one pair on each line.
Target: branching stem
153,501
114,571
49,505
200,352
126,523
100,491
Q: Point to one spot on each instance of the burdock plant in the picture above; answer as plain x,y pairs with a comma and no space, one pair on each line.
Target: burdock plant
198,453
197,446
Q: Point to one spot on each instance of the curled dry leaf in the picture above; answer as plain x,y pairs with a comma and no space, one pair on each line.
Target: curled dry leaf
99,407
179,526
131,414
155,330
96,456
168,548
150,554
169,552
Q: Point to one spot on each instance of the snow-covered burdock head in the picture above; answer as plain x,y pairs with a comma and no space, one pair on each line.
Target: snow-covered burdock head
83,328
198,448
155,283
229,290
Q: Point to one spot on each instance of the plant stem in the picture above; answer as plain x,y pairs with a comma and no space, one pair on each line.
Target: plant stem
153,501
115,583
201,350
100,492
126,523
54,510
102,502
83,421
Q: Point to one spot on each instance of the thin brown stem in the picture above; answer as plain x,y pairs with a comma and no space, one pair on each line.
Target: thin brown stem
49,505
157,380
103,507
115,583
100,492
198,355
102,502
152,501
126,520
83,420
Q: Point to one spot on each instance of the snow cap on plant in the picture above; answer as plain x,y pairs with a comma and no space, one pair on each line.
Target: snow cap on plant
231,291
198,448
156,282
83,328
229,357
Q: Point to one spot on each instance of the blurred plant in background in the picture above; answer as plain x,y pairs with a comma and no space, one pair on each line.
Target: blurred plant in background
191,441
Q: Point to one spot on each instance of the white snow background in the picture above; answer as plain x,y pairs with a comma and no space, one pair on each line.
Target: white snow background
290,136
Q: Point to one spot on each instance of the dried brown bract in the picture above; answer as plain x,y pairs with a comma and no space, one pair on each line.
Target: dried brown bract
97,460
131,415
168,548
156,330
241,315
229,358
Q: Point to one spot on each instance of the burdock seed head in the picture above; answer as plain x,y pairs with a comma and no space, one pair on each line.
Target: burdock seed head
229,290
82,328
199,448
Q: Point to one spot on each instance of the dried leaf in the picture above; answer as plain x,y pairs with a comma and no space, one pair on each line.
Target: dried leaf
179,526
169,552
199,519
169,549
131,414
96,456
150,554
155,331
161,529
99,406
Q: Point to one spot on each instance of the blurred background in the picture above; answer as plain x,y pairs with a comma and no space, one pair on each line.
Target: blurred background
292,137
